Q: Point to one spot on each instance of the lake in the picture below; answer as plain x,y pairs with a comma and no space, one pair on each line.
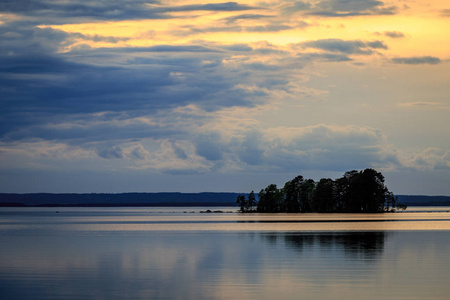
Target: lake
180,253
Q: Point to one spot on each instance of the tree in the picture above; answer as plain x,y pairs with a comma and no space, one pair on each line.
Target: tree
355,191
306,195
251,202
292,191
240,200
362,191
324,199
270,199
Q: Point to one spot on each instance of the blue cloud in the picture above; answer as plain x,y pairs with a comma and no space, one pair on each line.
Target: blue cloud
110,153
40,86
237,18
226,6
210,147
58,11
296,6
417,60
328,57
351,8
347,47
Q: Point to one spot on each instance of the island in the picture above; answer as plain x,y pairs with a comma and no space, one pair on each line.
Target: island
355,192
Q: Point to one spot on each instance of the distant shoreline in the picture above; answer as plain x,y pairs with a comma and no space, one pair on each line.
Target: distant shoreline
162,199
122,205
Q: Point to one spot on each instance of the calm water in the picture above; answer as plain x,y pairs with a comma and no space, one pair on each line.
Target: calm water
179,253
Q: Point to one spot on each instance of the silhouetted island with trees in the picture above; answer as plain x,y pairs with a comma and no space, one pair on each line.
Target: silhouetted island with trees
355,192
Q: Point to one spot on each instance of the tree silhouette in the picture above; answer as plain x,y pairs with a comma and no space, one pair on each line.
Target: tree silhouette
356,191
246,205
240,200
324,199
270,199
251,202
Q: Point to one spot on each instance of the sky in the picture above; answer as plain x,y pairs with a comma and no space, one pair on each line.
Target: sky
186,96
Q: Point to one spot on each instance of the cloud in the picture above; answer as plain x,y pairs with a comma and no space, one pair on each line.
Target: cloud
59,11
445,12
110,153
428,159
274,27
226,6
180,105
351,8
163,48
39,85
268,28
347,47
323,146
417,60
394,34
339,8
23,37
209,147
296,6
328,57
98,38
234,19
237,47
424,105
193,140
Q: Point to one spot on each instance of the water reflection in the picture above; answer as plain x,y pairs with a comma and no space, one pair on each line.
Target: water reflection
59,262
182,265
358,244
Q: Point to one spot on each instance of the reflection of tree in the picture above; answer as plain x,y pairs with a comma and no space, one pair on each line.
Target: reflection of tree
364,245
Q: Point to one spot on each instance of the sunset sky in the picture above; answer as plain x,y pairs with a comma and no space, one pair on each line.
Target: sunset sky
188,96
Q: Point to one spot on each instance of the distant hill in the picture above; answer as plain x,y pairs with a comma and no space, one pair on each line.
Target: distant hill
420,200
124,199
163,199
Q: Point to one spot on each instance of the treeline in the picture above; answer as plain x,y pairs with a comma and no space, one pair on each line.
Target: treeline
118,200
356,191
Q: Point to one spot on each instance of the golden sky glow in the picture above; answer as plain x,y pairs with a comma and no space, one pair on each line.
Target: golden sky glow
425,30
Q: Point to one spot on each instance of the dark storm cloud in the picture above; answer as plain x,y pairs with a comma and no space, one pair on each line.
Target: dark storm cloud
78,129
59,11
25,37
417,60
347,47
40,86
103,9
227,6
